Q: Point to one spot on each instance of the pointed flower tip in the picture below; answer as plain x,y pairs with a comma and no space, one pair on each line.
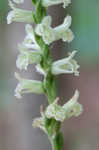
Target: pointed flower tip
67,21
76,95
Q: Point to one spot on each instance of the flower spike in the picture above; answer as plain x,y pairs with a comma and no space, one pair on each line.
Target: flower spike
35,50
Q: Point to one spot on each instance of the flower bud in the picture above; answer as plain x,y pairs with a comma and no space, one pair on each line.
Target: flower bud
67,65
19,15
28,86
50,34
47,3
27,57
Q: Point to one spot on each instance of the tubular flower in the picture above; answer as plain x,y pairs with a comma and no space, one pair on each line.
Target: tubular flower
28,86
19,15
47,3
50,34
72,107
60,113
27,57
29,41
67,65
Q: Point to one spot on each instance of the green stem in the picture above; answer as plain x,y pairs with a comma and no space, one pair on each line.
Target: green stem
57,142
52,126
53,144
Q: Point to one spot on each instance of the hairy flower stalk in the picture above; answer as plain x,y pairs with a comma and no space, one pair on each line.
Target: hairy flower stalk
35,50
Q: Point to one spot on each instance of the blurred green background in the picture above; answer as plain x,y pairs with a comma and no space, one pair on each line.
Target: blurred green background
16,116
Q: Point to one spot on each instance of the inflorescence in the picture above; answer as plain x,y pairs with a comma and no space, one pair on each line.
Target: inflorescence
35,49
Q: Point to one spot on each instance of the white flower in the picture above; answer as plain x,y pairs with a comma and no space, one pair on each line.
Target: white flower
47,3
18,1
45,30
60,113
55,111
50,34
67,65
19,15
72,107
27,57
39,123
29,41
27,86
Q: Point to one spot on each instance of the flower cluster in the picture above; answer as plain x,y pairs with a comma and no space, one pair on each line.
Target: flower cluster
35,50
50,34
60,113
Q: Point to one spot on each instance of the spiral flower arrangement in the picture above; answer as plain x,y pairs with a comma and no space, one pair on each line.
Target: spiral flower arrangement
35,49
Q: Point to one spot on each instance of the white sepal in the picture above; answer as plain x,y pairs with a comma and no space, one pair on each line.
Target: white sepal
27,57
18,1
27,86
72,107
29,41
19,15
47,3
44,29
67,65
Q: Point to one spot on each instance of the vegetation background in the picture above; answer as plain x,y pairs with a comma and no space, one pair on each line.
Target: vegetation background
82,133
